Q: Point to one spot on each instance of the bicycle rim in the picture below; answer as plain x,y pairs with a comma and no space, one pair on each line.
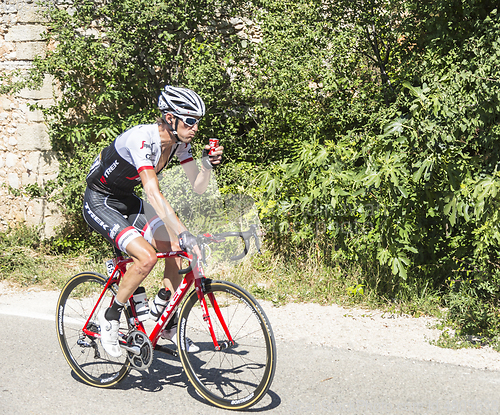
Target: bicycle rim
239,376
84,352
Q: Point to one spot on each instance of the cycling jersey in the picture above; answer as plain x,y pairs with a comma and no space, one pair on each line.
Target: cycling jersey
116,170
110,206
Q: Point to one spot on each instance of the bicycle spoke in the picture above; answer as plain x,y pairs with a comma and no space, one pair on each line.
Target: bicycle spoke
83,351
239,375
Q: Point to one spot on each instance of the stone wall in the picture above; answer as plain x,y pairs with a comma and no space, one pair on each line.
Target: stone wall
25,151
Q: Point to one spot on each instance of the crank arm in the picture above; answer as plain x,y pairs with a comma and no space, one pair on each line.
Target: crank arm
167,350
134,349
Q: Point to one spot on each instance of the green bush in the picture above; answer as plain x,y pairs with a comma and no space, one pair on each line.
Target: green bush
17,247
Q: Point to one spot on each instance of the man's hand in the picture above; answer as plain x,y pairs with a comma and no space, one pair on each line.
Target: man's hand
187,241
214,159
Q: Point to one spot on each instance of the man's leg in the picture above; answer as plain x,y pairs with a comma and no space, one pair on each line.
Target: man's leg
144,257
165,242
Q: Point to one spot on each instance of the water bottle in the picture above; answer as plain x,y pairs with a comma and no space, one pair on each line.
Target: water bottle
141,304
159,303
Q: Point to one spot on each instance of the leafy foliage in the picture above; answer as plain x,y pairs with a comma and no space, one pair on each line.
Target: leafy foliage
410,185
110,59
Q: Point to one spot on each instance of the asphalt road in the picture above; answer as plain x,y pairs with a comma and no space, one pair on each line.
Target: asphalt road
35,379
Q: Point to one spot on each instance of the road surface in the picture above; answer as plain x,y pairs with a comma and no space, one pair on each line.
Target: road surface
35,379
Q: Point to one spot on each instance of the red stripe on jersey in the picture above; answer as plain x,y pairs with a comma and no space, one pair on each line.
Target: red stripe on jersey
139,170
145,168
187,160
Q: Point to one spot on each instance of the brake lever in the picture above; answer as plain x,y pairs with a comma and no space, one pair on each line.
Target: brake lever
256,238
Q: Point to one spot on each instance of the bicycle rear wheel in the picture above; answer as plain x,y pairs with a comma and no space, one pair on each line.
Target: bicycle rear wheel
238,376
84,352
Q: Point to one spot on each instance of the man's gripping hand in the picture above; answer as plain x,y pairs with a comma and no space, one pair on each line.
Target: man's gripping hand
187,241
210,161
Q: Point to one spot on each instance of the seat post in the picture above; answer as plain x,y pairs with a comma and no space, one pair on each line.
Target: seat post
117,251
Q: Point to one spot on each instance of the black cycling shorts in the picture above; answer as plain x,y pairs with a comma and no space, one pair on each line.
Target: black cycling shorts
120,219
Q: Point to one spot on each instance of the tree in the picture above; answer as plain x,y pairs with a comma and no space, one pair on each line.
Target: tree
111,58
414,181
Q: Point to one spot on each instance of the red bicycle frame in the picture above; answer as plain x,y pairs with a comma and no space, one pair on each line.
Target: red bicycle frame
193,275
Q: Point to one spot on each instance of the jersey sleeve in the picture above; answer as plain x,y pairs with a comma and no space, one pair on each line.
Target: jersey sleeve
184,153
142,150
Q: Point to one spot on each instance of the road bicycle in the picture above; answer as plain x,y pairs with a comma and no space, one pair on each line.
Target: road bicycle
236,362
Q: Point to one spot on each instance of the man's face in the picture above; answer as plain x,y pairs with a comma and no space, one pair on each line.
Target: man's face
185,132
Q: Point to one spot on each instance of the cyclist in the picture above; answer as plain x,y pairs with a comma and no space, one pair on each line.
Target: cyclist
113,209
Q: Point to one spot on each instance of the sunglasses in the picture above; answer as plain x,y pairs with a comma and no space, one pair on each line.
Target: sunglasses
189,121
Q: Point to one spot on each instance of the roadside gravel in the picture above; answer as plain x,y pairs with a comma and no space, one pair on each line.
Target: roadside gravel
373,332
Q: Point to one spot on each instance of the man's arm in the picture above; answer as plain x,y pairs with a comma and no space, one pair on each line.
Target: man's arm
160,204
199,179
165,212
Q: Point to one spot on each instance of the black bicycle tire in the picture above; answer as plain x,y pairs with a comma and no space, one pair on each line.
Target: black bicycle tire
74,282
186,358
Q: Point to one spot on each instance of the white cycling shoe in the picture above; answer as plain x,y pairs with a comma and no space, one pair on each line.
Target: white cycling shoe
109,336
171,334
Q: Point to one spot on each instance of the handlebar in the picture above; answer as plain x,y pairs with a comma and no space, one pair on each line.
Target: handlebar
205,239
190,267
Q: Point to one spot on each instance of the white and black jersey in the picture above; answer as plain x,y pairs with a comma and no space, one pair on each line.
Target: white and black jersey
110,206
116,170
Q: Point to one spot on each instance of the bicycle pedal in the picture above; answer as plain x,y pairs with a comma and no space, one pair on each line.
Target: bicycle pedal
166,350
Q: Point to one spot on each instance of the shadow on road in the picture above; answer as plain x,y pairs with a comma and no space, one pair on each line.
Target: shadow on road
166,371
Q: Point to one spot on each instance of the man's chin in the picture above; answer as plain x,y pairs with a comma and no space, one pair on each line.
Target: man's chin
185,140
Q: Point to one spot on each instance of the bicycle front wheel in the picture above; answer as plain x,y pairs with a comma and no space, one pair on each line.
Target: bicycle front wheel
84,351
239,374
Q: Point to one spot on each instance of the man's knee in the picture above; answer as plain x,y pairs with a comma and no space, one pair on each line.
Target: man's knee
149,261
144,256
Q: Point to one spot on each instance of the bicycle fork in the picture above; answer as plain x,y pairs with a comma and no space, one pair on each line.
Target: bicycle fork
201,291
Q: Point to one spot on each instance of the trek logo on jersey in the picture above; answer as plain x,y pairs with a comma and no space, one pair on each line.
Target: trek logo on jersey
114,230
108,171
99,221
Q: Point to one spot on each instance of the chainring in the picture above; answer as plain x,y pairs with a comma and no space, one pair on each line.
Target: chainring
143,360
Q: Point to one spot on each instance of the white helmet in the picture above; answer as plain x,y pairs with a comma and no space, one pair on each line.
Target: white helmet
180,101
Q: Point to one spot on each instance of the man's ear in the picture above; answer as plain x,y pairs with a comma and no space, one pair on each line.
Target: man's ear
169,118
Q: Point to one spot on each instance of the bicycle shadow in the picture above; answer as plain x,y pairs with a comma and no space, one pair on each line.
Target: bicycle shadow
268,402
166,372
227,379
